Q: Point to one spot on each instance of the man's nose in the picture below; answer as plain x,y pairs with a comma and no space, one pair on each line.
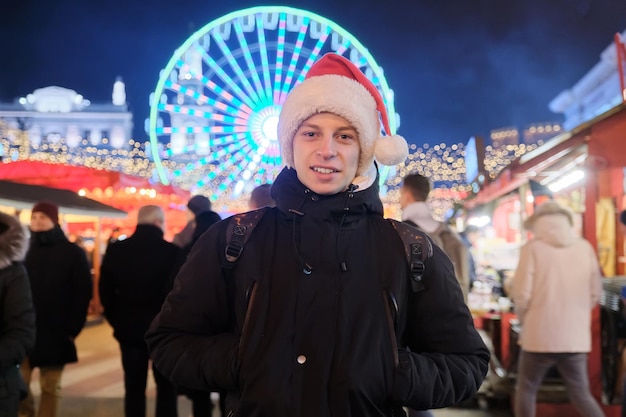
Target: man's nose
327,147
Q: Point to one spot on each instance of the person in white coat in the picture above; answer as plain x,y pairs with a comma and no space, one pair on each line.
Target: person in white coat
555,287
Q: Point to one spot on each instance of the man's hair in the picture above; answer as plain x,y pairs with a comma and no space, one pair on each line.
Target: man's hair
418,185
150,214
260,197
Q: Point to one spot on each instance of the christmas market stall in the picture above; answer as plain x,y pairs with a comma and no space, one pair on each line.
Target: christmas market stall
583,169
17,198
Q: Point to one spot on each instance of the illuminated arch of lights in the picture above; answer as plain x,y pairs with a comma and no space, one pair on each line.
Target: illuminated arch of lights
214,111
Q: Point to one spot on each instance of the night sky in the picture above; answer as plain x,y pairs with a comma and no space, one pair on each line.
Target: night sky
458,67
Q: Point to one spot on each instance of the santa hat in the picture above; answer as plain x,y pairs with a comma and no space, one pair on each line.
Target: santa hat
336,85
49,209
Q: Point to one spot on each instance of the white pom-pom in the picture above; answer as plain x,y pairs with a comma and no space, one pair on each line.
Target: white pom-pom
391,150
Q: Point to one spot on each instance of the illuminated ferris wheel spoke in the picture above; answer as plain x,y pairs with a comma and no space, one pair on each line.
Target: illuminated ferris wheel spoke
294,60
232,62
208,159
215,109
314,55
223,168
202,129
218,104
265,64
228,81
266,98
233,117
226,167
221,141
341,47
280,53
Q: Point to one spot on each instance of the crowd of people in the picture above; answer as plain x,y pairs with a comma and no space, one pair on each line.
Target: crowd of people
307,305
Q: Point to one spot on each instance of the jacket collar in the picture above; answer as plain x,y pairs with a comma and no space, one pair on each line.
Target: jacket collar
49,237
148,230
291,195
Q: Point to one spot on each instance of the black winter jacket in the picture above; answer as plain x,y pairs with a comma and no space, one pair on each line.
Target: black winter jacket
17,314
135,277
313,328
60,279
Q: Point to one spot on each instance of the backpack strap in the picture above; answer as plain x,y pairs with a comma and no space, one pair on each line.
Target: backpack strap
238,232
417,248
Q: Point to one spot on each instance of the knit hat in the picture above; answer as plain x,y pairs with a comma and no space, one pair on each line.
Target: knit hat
199,204
49,209
335,85
549,207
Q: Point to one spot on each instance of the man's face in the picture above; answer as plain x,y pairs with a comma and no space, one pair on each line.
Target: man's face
39,222
326,153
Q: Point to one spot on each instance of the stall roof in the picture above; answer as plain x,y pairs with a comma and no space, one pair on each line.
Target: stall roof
544,163
23,196
73,177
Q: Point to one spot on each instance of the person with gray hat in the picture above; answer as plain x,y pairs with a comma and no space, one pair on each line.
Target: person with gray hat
555,286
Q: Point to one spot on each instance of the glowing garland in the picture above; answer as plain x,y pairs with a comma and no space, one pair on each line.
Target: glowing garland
444,164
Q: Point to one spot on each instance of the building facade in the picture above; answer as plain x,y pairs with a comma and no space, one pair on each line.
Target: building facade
52,117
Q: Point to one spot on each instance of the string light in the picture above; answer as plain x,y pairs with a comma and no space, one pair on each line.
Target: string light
443,163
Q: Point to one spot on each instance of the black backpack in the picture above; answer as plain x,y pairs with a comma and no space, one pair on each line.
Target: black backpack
242,225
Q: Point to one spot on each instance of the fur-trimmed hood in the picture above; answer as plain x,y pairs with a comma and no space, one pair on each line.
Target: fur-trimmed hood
13,241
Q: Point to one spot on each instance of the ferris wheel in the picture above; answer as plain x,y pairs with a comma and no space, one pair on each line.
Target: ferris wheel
214,112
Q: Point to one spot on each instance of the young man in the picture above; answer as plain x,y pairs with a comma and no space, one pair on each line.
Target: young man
60,280
135,277
416,211
318,317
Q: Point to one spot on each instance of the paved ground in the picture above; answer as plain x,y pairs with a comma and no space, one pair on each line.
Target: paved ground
93,387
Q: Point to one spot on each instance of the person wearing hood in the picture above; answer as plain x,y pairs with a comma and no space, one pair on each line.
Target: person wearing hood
60,279
555,286
17,314
318,317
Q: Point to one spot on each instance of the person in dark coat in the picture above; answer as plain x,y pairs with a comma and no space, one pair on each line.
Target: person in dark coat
203,218
135,276
60,279
17,313
318,318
